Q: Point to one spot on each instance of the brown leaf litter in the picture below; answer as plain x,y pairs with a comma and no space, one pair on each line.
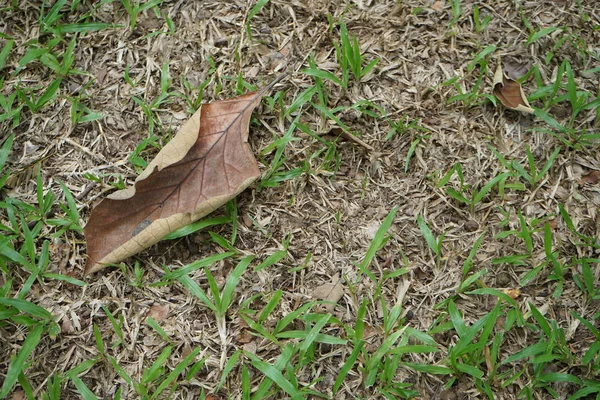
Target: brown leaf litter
509,92
321,214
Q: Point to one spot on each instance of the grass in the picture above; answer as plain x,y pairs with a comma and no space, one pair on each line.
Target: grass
423,305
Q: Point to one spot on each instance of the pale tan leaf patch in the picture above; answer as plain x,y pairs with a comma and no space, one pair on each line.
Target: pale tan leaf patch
590,178
331,293
513,293
158,312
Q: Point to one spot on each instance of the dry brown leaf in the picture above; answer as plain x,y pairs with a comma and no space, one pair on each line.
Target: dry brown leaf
489,363
244,337
205,165
509,92
331,293
590,178
513,293
158,312
66,326
438,5
18,395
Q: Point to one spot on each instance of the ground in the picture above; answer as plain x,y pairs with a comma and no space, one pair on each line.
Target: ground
417,238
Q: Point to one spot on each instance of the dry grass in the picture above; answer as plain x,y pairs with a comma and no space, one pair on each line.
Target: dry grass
328,216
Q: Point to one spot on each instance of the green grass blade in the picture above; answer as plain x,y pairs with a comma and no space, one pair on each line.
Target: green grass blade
262,317
456,195
115,324
470,370
457,321
271,260
302,99
378,241
152,323
49,94
348,364
176,372
375,359
198,264
429,369
319,337
314,332
469,260
17,365
541,33
369,67
7,251
5,53
318,73
428,235
229,366
271,372
488,186
541,321
120,371
288,318
232,281
80,369
150,374
527,352
497,293
415,348
54,13
84,391
150,4
28,308
480,56
64,278
197,291
256,9
550,161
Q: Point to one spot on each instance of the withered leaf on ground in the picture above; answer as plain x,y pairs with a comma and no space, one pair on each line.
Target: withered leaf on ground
590,178
205,165
509,92
331,293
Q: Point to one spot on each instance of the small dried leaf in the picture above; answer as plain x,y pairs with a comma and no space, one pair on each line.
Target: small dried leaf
513,293
331,293
66,326
244,336
438,5
510,93
158,312
18,395
590,178
488,361
251,347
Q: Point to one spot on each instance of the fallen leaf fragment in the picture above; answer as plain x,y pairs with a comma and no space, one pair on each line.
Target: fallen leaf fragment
18,395
158,312
510,93
331,293
590,178
438,6
489,363
513,293
205,165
